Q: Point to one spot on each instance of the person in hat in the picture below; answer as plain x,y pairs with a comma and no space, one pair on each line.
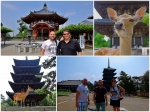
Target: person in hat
116,92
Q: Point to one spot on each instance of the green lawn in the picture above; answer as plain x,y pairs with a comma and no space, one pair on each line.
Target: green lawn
60,93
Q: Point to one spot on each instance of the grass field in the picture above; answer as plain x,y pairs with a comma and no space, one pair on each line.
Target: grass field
60,93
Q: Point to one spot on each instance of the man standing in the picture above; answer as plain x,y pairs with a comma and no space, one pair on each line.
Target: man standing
68,46
49,46
82,96
100,96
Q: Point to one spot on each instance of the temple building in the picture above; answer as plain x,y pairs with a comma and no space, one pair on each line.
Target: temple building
43,21
27,72
105,26
108,74
68,85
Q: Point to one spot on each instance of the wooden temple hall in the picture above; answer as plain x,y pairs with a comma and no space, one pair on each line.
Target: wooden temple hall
43,21
106,27
27,73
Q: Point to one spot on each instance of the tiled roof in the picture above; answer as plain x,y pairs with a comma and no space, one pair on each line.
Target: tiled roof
70,82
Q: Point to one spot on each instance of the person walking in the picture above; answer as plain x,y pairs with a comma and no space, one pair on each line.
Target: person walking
82,96
68,46
49,46
100,97
116,92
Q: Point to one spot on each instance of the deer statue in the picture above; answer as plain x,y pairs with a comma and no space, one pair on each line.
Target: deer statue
123,26
21,96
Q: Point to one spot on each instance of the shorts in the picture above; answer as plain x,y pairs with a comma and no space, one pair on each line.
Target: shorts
83,106
115,103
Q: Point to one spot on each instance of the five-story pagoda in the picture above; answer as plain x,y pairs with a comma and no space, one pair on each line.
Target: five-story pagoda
108,74
26,73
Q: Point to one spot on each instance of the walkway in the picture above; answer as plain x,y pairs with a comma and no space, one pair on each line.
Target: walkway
9,49
67,103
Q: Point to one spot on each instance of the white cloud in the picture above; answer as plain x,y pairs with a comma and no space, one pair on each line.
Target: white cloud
8,6
62,26
68,14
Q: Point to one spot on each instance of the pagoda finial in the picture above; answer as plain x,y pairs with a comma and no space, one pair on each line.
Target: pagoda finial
45,6
108,63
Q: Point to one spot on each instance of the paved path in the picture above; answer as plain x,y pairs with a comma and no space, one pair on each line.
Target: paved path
67,103
9,49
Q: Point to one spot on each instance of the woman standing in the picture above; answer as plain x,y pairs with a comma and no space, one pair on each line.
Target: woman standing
116,92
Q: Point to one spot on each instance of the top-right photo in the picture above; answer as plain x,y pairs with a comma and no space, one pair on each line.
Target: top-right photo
121,28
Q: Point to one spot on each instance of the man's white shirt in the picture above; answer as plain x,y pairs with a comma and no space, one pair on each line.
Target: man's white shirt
50,47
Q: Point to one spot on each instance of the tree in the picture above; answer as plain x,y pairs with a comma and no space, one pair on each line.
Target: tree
22,29
127,83
145,82
90,86
136,80
50,87
99,41
95,84
76,30
146,19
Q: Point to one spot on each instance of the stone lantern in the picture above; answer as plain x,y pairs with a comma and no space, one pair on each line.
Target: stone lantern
29,35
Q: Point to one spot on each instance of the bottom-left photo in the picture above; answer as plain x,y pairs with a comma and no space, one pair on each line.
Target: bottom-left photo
28,83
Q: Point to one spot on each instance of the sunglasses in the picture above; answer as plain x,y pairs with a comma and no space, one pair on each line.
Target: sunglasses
66,34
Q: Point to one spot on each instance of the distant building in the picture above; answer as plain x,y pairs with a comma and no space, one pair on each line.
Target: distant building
68,85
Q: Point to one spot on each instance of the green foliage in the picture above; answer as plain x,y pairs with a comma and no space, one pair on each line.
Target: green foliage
99,41
127,83
50,87
59,93
1,24
146,19
90,86
8,35
95,84
47,100
6,102
145,82
22,29
5,30
76,29
146,41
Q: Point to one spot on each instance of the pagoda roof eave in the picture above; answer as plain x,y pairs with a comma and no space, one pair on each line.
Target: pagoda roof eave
28,18
16,87
34,62
37,96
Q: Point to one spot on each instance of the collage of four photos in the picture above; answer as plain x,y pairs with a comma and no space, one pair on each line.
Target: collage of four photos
74,56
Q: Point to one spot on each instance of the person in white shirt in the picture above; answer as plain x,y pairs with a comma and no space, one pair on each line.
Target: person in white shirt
82,96
49,46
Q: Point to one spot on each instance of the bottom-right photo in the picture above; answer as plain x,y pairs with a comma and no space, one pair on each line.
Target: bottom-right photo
103,83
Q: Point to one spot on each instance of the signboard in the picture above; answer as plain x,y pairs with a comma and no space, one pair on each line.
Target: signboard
82,43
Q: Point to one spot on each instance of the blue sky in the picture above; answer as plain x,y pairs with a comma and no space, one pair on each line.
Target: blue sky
77,11
77,68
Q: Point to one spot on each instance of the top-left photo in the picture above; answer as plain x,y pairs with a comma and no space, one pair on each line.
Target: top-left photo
47,28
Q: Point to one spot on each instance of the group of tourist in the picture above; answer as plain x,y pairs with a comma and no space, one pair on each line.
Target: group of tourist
66,45
99,97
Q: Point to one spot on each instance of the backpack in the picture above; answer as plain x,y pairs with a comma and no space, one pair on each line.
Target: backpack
119,91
